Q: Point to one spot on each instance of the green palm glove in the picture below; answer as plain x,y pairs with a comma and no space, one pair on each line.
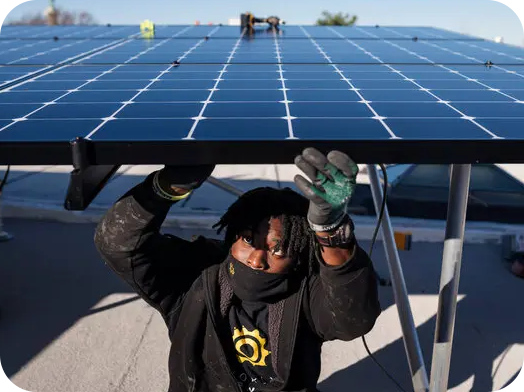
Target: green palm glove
333,180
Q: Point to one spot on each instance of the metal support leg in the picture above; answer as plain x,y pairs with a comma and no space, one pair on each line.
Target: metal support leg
417,367
225,186
449,280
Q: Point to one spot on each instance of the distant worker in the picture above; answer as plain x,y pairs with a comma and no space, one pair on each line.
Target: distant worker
249,313
248,20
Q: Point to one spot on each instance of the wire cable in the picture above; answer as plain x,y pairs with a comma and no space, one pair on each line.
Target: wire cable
4,180
373,240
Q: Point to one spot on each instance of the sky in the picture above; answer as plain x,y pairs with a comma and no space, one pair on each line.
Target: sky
481,18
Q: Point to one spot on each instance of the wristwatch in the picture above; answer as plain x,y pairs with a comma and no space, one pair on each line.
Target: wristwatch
342,237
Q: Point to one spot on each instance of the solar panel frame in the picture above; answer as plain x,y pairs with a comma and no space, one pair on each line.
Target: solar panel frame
276,92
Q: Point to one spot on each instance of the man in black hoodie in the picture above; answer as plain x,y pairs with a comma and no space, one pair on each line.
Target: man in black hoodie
249,313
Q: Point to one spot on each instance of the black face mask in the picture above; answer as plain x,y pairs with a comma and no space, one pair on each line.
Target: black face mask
257,286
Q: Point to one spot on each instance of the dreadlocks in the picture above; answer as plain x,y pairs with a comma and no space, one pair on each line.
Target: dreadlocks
298,240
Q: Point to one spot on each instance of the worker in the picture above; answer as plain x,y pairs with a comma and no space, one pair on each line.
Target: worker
250,312
248,21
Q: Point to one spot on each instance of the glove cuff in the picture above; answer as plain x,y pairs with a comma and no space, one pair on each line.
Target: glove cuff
334,223
342,237
159,191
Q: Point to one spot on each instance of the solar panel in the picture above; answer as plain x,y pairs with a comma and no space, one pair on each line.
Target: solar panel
201,94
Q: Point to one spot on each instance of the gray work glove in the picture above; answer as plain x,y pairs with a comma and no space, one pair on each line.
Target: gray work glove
333,180
179,180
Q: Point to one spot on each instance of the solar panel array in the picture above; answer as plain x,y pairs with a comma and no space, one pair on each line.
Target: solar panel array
400,93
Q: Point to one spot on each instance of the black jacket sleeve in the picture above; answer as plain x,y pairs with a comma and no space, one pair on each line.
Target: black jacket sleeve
160,268
343,301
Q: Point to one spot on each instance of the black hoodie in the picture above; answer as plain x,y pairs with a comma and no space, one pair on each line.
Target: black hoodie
186,281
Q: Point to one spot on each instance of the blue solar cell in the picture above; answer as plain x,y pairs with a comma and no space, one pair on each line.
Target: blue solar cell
247,68
431,74
517,94
378,75
323,95
220,58
161,110
510,128
8,77
115,85
414,109
384,84
98,96
37,85
154,68
203,75
76,111
488,76
11,111
108,58
330,109
260,110
62,76
356,58
491,109
298,58
506,84
144,130
173,96
23,97
397,95
330,74
357,68
10,74
248,95
241,129
307,67
82,69
49,52
250,84
139,75
57,130
339,129
318,84
443,129
451,84
470,95
183,84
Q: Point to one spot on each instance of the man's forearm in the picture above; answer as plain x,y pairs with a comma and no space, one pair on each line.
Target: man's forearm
338,256
138,214
344,246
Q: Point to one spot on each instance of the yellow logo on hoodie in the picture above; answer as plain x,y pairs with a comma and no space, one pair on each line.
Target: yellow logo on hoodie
250,346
